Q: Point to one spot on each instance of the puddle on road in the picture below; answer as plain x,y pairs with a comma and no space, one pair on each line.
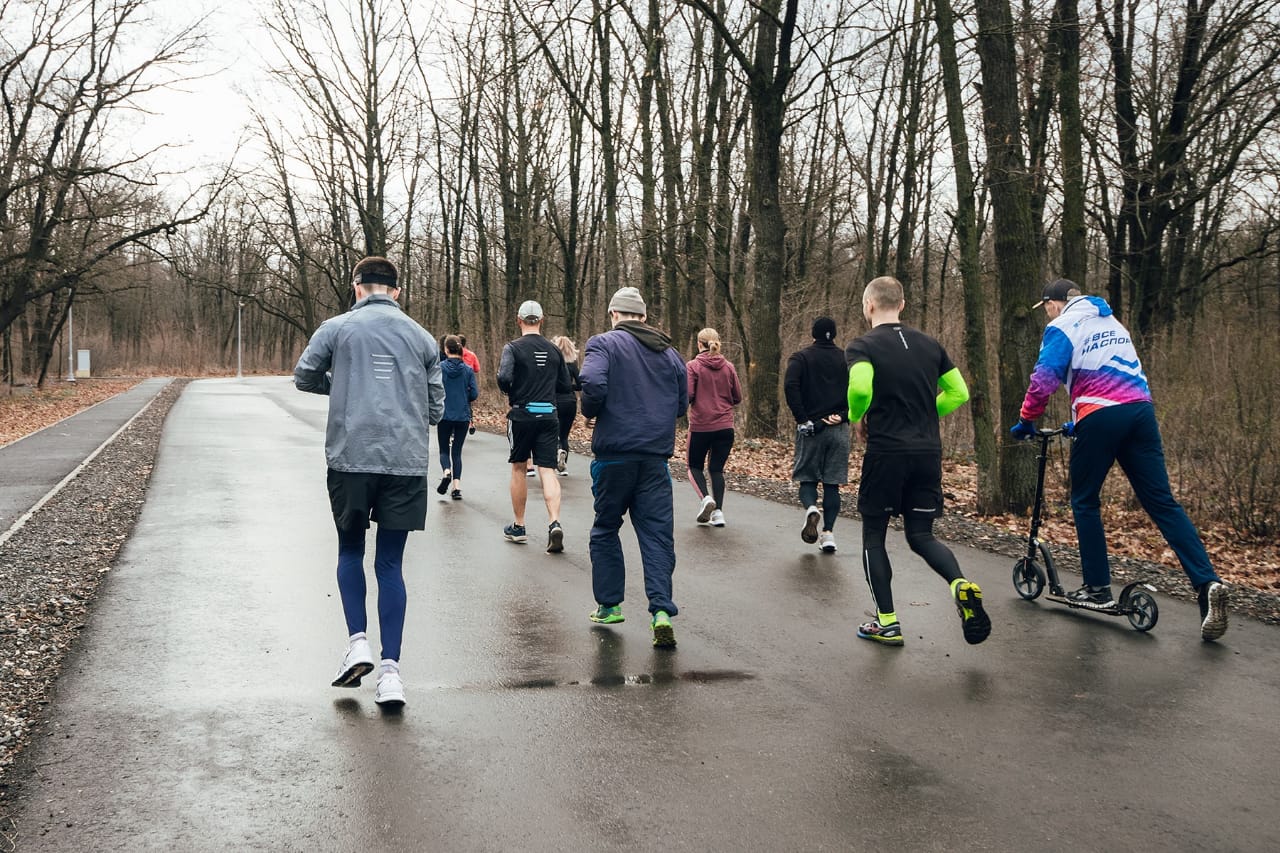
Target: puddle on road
696,676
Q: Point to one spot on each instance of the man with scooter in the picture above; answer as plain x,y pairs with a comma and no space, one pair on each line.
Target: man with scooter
1087,348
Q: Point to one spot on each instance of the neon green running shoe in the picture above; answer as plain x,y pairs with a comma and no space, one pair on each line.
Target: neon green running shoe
607,615
664,636
974,620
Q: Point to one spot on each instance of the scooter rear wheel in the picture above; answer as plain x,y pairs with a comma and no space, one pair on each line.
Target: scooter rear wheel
1028,579
1141,609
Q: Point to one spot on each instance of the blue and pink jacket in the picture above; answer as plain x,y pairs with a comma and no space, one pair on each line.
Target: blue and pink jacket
1087,349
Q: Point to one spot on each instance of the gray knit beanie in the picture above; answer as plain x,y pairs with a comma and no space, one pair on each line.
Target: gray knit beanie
628,301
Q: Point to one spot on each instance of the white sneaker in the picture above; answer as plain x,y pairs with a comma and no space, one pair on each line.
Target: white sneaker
532,472
811,520
356,664
390,692
708,507
562,460
717,519
827,542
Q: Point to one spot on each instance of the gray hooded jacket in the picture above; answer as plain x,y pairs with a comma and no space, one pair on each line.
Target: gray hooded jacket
381,371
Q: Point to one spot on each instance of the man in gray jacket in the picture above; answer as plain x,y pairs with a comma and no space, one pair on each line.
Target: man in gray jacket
381,372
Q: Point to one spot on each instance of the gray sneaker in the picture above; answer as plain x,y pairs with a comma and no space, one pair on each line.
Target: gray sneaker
1214,597
827,542
812,518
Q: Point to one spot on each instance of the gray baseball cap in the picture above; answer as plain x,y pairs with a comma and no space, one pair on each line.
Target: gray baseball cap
530,311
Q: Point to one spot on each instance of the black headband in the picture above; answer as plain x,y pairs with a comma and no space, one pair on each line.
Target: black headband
376,278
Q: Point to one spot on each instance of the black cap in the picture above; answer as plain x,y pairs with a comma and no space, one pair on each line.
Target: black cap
1057,290
824,329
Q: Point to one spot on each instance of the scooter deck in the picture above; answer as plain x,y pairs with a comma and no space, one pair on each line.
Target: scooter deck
1113,610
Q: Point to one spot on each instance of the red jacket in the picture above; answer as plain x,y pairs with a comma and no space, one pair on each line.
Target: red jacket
713,392
470,360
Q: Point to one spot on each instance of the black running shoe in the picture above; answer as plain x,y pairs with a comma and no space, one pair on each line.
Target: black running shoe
974,621
444,483
555,538
456,494
1093,597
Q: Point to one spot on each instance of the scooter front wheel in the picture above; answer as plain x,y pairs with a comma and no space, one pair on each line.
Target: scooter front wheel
1028,579
1140,608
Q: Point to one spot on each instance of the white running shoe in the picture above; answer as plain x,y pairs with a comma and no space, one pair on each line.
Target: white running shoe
390,692
717,519
532,472
827,542
562,460
356,664
812,518
708,507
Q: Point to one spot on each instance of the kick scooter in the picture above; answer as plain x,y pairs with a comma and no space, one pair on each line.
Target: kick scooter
1135,602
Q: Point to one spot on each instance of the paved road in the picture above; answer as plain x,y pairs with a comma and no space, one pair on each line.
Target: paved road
196,712
31,466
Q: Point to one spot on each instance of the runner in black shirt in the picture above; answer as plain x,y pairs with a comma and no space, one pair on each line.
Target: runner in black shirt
902,381
531,373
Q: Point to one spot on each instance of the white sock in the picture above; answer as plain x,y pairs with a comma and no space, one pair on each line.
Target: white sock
389,665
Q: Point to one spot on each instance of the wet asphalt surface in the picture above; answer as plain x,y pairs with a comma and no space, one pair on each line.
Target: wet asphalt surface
196,711
36,463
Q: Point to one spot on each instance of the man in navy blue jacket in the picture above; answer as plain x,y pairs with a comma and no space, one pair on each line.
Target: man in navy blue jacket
634,385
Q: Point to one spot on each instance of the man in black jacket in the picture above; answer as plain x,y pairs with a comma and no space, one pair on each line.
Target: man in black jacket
816,388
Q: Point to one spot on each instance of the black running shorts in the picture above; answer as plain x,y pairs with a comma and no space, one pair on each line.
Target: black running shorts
393,502
538,437
901,484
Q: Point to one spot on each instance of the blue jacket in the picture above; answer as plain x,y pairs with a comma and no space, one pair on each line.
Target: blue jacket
634,385
460,389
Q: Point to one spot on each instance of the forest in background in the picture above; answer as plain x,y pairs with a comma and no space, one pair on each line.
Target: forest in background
749,166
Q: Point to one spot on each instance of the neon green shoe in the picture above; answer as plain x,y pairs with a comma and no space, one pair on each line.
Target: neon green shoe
974,621
664,636
607,615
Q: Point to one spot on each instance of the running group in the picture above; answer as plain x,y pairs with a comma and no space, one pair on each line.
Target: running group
388,380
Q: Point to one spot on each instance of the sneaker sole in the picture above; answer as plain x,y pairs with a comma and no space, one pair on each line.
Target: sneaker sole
664,637
976,625
707,508
717,524
351,677
1215,623
444,485
611,620
519,540
555,541
810,532
394,700
829,548
884,641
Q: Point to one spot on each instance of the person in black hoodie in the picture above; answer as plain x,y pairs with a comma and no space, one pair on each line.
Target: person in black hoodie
816,387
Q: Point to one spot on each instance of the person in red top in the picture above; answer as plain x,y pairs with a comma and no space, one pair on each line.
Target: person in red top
713,392
469,358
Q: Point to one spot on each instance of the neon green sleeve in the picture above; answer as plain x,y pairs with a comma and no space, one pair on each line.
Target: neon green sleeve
860,377
954,393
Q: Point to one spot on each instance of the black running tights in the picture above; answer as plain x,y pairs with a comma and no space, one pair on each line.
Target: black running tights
875,559
717,443
830,501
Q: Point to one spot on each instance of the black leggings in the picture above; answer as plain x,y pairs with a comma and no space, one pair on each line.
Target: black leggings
718,443
566,412
875,559
451,435
830,501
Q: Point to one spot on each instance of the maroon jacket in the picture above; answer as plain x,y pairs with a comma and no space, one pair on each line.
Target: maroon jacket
713,392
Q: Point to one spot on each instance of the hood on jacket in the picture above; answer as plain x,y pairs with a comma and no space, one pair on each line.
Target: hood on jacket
645,334
1095,305
713,360
453,365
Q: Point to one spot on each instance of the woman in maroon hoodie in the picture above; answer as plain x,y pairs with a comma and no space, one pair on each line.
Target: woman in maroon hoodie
713,392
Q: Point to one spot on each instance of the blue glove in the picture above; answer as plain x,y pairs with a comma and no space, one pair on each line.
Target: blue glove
1069,429
1023,429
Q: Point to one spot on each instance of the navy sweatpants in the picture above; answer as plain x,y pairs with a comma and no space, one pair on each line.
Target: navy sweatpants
1129,435
641,488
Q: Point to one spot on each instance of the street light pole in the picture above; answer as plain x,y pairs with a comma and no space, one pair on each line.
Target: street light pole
239,340
71,346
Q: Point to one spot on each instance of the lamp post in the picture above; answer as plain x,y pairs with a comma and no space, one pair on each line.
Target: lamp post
239,340
71,347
